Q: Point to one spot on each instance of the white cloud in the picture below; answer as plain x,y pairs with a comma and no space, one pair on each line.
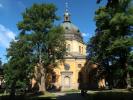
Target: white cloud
1,5
85,34
6,35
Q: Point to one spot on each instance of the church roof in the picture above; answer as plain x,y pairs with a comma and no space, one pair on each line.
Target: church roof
70,28
71,31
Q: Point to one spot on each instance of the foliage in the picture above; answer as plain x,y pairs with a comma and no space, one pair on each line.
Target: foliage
40,42
113,41
1,68
0,64
19,66
130,61
47,39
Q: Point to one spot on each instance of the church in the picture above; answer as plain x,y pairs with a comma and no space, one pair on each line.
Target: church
66,74
75,58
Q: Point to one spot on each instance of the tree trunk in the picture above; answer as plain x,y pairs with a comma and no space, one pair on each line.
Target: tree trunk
128,81
42,71
13,90
42,87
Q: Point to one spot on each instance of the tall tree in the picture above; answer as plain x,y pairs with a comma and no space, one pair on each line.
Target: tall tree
47,39
1,67
99,43
113,40
17,70
122,36
0,63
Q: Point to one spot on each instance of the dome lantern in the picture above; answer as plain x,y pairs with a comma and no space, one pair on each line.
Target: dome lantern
66,17
66,14
72,32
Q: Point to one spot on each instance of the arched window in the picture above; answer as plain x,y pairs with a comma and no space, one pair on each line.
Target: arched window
79,65
68,47
66,28
66,18
80,49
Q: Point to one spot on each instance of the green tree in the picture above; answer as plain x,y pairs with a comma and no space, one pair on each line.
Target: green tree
0,63
98,44
1,67
17,70
47,39
112,43
122,38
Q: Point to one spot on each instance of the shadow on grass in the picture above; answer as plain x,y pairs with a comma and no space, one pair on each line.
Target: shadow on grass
91,95
98,96
26,98
29,97
70,96
110,96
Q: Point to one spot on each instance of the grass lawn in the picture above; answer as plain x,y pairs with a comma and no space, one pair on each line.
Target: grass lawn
47,96
115,94
3,94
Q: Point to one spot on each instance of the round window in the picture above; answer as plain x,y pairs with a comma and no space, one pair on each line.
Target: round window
66,66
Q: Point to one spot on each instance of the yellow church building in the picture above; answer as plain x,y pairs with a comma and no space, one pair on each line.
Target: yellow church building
74,72
75,58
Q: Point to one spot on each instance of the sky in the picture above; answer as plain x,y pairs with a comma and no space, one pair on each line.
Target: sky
82,15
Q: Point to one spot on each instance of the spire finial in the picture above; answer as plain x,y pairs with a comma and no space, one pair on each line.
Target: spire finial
66,14
66,6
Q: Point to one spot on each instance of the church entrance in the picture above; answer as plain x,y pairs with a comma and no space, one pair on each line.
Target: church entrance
67,82
66,78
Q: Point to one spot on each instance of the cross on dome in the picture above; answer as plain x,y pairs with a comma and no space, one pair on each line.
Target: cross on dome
66,14
66,6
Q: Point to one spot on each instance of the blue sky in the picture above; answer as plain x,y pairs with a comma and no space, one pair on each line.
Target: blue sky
82,15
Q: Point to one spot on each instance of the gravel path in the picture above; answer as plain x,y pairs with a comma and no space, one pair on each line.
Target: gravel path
68,96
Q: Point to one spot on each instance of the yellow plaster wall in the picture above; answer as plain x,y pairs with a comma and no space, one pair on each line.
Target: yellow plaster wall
74,46
73,67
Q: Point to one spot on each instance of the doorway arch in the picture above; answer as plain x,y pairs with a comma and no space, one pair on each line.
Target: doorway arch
67,81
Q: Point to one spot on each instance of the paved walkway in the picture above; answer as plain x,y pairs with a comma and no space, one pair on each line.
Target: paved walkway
57,94
68,96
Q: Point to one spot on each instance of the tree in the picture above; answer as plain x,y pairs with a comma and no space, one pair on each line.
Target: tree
98,44
122,43
0,63
17,70
47,39
1,67
111,45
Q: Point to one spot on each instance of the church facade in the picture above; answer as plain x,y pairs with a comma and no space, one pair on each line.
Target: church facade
75,58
